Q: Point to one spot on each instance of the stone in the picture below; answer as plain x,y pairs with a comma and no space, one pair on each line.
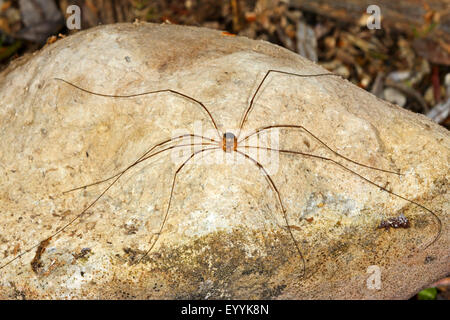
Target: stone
394,96
225,235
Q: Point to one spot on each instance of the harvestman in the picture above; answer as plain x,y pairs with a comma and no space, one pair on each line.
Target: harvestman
229,143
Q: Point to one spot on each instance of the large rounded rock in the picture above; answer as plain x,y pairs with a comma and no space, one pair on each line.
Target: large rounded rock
225,235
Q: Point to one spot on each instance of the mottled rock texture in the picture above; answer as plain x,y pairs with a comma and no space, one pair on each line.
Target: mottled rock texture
225,236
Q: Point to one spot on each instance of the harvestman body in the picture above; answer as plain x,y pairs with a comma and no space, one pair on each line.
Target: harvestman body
229,143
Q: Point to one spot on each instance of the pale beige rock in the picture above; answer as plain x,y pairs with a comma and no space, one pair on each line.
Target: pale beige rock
225,236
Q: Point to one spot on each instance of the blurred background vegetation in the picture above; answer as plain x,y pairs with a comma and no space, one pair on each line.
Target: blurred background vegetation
406,61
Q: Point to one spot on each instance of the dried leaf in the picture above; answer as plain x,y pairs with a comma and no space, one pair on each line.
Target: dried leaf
41,18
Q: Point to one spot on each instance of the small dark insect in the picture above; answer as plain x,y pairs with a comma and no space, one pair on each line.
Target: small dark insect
228,142
397,222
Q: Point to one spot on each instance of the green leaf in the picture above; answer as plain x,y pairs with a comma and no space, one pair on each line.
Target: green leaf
6,52
427,294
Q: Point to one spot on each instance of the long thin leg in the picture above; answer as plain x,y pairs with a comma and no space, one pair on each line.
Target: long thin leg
250,106
283,210
291,126
141,157
170,198
77,217
149,92
439,223
177,138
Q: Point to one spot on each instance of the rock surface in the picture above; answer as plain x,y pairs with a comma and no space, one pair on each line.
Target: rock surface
225,236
